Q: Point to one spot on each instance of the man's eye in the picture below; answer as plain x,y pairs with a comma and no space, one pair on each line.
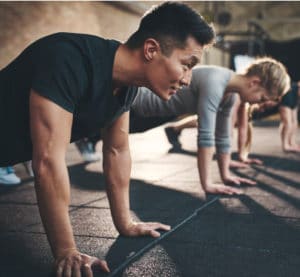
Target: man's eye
188,65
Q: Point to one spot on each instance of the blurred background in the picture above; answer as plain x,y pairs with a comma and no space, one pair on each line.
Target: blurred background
244,28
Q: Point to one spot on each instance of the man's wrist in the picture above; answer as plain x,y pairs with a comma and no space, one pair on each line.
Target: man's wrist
125,227
63,252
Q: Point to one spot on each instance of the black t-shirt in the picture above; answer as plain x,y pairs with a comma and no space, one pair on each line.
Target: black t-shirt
72,70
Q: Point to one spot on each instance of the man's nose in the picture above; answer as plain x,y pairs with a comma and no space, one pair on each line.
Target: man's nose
186,79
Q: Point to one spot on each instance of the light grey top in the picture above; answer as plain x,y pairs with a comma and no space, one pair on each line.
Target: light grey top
204,97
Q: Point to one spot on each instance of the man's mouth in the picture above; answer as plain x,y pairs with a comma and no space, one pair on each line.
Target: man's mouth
173,90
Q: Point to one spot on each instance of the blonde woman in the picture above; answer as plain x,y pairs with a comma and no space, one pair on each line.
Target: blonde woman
211,95
287,108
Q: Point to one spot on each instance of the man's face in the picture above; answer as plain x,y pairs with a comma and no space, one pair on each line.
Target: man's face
167,74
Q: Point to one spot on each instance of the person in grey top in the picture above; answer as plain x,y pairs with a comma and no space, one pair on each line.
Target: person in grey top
211,95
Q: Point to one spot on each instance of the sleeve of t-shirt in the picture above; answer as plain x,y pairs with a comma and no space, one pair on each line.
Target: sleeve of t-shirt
60,76
147,104
223,126
209,98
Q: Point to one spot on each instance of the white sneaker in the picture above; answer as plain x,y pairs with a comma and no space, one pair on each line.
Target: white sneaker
87,151
8,176
90,157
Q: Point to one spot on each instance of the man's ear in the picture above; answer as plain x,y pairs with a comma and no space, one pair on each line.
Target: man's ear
151,48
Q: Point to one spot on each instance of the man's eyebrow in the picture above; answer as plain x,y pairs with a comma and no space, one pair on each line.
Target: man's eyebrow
195,60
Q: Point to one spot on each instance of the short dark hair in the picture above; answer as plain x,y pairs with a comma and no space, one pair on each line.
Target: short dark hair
171,23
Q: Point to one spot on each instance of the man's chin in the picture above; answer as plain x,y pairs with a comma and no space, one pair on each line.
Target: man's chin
164,96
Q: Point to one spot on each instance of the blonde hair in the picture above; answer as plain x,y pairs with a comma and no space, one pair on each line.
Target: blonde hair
273,75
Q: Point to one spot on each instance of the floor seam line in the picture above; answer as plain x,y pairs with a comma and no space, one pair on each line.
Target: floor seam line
163,236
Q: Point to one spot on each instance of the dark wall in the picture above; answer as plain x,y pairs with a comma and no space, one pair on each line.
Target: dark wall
288,52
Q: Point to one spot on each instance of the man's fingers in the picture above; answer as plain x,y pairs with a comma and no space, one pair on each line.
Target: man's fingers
163,227
60,269
154,233
67,270
157,226
76,270
101,264
79,266
86,270
149,228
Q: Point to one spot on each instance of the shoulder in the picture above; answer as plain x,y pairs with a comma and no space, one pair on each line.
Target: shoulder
211,72
207,78
73,42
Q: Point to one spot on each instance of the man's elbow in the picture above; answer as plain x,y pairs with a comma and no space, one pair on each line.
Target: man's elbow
43,165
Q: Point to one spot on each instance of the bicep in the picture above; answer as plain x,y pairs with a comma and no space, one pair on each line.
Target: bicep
50,127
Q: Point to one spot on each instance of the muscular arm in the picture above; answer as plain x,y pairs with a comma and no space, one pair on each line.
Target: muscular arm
117,167
50,132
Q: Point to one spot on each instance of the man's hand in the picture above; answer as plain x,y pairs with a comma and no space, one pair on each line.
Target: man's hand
222,189
145,229
74,263
235,180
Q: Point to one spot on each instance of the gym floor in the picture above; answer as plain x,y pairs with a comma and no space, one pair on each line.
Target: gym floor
256,234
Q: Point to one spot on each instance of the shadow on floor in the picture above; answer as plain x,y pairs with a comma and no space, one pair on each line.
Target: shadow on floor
216,242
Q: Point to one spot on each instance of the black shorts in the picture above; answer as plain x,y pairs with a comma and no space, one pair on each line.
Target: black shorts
290,99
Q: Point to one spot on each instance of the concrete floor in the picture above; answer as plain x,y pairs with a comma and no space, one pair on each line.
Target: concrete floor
256,234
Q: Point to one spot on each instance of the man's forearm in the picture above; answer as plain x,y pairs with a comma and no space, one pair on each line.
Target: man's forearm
117,167
53,195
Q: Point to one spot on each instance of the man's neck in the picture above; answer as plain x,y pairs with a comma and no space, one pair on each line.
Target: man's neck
128,68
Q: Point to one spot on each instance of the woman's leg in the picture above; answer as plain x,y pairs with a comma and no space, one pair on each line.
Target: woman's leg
293,139
287,125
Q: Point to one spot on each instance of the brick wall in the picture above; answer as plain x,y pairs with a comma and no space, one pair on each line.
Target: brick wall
23,22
